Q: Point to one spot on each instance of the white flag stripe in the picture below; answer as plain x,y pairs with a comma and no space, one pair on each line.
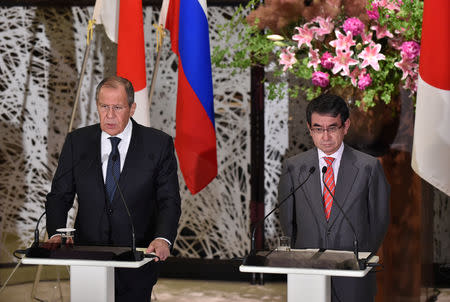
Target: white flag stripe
431,157
142,112
106,12
165,7
204,6
163,13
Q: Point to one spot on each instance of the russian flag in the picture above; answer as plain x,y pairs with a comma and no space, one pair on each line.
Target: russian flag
195,139
431,147
123,22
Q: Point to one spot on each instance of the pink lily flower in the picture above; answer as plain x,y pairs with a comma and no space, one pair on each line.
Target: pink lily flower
371,55
343,42
389,4
382,31
326,26
287,58
366,37
407,66
355,74
314,58
411,83
304,36
343,61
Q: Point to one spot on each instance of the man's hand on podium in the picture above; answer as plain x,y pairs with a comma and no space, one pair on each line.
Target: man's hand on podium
160,247
55,242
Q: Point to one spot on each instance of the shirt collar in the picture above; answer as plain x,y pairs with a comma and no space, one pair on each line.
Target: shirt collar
336,155
124,134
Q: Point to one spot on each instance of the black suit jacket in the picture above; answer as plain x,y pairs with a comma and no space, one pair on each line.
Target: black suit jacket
363,193
148,180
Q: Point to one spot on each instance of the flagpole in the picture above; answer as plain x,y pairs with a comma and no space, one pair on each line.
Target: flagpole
154,75
159,43
80,81
89,37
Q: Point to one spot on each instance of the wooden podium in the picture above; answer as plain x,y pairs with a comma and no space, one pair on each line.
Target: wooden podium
90,280
308,276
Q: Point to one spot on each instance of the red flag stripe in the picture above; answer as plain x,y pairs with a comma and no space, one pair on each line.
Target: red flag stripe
435,46
131,47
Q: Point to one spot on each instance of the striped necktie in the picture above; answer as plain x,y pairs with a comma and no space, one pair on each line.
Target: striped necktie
329,180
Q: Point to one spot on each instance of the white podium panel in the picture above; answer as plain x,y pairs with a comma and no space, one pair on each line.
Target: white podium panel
90,280
306,284
91,283
308,287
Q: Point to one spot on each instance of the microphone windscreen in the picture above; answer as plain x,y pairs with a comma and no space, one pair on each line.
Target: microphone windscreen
324,170
311,170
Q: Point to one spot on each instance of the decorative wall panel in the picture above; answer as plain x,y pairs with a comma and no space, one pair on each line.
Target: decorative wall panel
40,59
41,53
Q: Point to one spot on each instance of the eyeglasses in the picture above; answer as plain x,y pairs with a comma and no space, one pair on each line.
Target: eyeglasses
115,108
331,130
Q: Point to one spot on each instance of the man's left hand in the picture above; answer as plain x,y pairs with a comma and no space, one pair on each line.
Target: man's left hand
160,247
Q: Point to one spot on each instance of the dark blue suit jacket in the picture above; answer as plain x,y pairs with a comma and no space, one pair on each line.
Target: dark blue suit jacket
148,180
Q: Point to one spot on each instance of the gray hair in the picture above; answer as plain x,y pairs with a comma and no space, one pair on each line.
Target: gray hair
116,82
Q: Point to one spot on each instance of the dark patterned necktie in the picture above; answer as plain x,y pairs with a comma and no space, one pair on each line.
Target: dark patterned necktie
329,180
113,169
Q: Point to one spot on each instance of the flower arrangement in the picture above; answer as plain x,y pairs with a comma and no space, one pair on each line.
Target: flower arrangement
371,51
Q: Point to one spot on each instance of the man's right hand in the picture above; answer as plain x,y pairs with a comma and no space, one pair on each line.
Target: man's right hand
55,242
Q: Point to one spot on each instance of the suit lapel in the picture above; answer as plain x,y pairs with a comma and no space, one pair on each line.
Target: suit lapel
346,178
312,188
97,173
131,159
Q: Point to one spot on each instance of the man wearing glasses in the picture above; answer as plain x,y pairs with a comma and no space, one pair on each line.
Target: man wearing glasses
141,161
344,177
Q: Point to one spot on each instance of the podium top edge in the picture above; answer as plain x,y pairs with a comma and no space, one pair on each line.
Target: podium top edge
77,262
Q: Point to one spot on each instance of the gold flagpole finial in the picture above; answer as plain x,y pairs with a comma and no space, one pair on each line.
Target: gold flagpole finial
160,33
90,31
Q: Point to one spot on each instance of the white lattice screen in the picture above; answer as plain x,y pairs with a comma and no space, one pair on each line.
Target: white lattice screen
40,59
41,52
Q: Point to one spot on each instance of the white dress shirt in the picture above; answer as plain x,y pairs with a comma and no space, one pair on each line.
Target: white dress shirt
336,163
125,138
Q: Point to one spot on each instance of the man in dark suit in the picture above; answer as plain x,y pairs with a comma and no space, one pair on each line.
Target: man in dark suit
143,162
358,184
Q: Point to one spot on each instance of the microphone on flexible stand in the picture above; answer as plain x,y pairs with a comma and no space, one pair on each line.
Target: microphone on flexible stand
36,250
362,263
133,254
252,258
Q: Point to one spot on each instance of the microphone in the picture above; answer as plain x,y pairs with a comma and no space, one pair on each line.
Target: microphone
252,258
35,250
133,254
36,231
362,263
